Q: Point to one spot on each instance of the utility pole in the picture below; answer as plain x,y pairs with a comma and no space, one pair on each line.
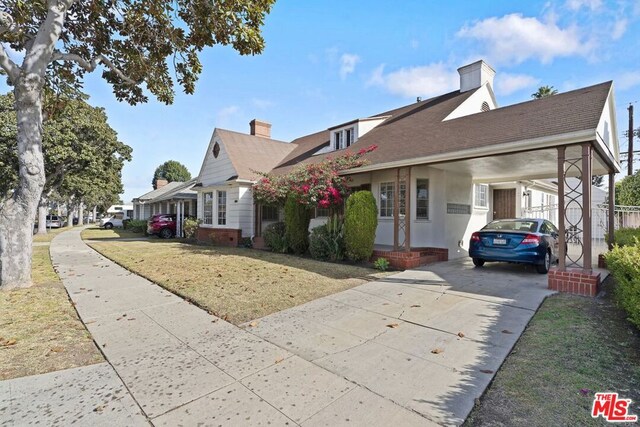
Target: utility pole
630,155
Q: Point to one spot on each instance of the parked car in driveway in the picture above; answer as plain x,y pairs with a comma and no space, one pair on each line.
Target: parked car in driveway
162,225
525,241
110,221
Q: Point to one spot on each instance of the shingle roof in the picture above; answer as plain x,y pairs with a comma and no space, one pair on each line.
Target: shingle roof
418,130
182,191
249,153
160,191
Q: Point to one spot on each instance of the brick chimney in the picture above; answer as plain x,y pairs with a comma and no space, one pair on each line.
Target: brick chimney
474,75
260,128
161,183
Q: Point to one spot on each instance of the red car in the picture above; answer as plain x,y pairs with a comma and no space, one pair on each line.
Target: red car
163,225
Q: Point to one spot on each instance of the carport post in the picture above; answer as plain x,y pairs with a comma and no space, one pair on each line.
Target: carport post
396,212
587,155
612,197
561,214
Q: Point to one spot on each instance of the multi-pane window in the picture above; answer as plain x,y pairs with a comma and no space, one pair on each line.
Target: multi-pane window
337,139
208,208
269,213
387,198
222,208
348,136
422,199
481,195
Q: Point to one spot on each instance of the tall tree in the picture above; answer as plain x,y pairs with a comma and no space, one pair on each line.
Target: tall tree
140,45
172,171
628,190
543,92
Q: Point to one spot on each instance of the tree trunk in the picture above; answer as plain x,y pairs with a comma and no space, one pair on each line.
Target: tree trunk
71,213
81,213
17,212
42,216
95,213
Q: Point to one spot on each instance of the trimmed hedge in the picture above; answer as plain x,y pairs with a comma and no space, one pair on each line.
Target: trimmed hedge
624,264
274,237
360,223
135,225
627,236
296,224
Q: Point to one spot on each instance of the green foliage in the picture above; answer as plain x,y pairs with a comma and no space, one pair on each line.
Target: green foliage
190,227
381,264
172,171
141,44
361,221
135,225
82,155
543,92
327,241
624,264
628,190
627,236
274,237
296,224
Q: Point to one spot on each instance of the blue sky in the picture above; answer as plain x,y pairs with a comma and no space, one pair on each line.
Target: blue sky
328,62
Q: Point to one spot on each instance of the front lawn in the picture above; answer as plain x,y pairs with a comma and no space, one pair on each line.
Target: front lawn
573,348
97,233
236,284
39,328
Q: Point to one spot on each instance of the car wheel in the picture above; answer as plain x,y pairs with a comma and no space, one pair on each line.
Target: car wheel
166,233
478,262
544,268
108,226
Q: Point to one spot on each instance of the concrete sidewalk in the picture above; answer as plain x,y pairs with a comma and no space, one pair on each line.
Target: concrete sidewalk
359,357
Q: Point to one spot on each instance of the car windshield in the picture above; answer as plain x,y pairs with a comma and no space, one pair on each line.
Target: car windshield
513,225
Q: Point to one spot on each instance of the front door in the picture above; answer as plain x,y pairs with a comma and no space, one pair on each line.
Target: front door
504,203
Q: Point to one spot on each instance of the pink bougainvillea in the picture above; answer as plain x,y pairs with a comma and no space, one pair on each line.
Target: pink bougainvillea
313,184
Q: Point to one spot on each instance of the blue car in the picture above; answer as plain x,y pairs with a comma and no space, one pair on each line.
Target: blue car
525,241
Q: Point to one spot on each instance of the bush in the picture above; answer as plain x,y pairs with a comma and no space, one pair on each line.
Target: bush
381,264
135,225
274,237
327,241
296,224
624,264
360,223
627,236
190,227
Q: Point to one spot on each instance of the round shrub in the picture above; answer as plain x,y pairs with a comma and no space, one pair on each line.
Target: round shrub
296,224
360,223
190,227
274,237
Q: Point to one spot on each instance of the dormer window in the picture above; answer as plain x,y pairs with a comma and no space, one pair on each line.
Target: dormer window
344,138
337,140
348,137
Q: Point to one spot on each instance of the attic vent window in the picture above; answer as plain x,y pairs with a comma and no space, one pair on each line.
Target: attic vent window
216,150
485,107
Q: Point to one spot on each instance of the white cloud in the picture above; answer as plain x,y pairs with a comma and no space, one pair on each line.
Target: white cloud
506,84
427,80
579,4
348,63
515,39
225,114
262,104
619,28
628,80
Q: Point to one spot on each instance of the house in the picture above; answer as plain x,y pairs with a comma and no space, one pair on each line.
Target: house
443,168
168,197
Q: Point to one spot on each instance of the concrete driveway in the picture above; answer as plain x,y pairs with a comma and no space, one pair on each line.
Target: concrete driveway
428,340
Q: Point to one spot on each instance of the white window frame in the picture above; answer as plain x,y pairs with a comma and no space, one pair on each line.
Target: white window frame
477,200
349,137
338,139
221,207
388,210
207,220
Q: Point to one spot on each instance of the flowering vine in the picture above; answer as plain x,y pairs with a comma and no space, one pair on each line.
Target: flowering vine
313,184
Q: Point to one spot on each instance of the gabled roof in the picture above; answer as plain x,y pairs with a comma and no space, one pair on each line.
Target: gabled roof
418,130
249,153
182,191
159,191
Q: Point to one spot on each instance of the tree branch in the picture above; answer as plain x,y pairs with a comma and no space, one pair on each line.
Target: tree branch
92,64
7,64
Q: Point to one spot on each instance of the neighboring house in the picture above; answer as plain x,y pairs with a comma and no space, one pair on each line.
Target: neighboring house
167,198
443,168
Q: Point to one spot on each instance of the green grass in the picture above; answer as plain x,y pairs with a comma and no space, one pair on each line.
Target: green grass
236,284
39,329
573,347
97,233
